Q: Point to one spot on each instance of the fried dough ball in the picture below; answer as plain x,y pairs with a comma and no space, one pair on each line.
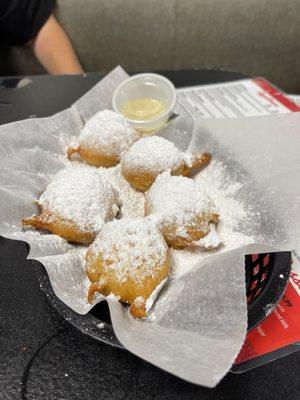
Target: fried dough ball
152,155
104,138
76,204
184,213
130,260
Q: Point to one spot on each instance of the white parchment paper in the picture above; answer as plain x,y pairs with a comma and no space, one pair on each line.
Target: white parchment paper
200,316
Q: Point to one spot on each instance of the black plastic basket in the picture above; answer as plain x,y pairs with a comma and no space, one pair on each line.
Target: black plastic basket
266,278
267,275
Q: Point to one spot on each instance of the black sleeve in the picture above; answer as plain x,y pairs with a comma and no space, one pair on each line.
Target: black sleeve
21,20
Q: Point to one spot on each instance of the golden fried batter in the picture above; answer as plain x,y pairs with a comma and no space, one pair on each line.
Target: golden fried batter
150,156
128,259
184,213
55,224
76,204
104,138
94,156
193,231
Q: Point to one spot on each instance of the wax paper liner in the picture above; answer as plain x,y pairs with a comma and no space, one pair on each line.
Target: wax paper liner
200,316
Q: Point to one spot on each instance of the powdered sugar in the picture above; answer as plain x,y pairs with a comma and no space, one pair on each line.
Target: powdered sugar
154,154
176,200
233,217
112,297
132,247
108,132
188,159
221,188
212,183
132,200
81,195
212,240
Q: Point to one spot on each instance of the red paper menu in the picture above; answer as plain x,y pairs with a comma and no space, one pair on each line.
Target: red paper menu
271,94
242,98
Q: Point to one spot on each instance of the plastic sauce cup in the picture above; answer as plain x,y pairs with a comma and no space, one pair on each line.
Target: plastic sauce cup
146,86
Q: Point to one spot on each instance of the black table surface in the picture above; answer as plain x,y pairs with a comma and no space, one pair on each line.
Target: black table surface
41,355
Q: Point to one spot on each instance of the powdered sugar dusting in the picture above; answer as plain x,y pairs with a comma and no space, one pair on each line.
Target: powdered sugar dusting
215,180
112,297
153,153
176,197
233,215
81,195
131,247
108,132
176,200
212,240
188,159
132,200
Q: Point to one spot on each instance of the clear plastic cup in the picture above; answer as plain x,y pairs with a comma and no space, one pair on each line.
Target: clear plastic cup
141,86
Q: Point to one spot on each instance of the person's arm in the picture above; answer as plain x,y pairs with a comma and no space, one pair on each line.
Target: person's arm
54,50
